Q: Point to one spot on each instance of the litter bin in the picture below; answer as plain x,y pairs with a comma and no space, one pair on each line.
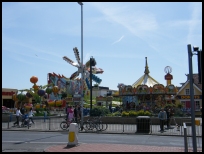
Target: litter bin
143,124
197,122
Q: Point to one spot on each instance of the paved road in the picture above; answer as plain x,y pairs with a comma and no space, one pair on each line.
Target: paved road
42,141
39,138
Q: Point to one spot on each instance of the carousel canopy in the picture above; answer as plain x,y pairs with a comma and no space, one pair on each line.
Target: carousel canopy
146,79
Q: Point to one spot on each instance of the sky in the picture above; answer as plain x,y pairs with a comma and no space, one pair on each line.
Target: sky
119,35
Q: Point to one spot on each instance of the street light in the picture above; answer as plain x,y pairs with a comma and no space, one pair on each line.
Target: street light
92,63
199,53
190,55
82,67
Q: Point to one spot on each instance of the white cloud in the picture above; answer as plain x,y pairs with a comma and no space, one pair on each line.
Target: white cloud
118,40
137,22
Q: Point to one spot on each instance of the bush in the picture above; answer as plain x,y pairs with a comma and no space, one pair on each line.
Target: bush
125,114
98,111
136,113
117,113
40,110
133,113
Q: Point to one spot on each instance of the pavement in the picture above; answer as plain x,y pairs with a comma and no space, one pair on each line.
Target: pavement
95,147
102,147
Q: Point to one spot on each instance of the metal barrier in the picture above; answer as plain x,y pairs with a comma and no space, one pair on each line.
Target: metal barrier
120,126
185,138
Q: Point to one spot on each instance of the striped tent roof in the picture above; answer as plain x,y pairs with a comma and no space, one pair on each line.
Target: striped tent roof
146,79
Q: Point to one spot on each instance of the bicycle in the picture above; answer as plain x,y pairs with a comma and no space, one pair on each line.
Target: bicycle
96,123
64,125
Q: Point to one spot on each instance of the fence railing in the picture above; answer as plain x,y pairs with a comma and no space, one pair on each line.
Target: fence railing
150,126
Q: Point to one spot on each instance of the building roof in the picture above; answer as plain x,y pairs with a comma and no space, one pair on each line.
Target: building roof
146,79
196,80
184,85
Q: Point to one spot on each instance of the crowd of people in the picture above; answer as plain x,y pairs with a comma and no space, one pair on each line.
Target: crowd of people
25,114
73,113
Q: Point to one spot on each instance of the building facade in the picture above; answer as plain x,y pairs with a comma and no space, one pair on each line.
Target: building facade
7,95
183,95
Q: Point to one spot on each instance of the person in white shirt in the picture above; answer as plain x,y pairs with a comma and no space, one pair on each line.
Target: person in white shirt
18,113
30,115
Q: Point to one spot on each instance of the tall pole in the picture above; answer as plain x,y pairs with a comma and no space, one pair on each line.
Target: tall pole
190,54
90,83
82,67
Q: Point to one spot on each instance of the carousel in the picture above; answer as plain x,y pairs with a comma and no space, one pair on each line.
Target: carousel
147,93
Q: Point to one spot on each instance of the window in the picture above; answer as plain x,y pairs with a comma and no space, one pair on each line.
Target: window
197,105
187,91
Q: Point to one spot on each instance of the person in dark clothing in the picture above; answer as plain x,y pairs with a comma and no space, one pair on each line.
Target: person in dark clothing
168,118
22,110
76,113
162,117
79,111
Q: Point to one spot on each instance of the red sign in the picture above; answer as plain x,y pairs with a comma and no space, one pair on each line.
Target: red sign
168,77
8,93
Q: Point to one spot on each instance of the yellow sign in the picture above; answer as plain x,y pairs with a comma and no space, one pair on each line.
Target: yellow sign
188,97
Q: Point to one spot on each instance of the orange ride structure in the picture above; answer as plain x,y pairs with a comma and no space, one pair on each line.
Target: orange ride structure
37,93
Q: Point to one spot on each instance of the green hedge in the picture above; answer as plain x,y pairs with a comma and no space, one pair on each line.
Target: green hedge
97,111
136,113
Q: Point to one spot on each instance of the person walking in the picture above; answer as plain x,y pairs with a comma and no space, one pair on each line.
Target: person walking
79,111
168,118
18,113
22,110
67,111
162,117
71,114
30,115
76,113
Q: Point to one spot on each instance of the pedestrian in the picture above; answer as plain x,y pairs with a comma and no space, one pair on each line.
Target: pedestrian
172,118
79,112
168,118
76,113
67,111
30,115
71,114
18,113
162,117
22,110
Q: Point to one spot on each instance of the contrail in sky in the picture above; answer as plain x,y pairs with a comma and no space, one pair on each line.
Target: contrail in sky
118,40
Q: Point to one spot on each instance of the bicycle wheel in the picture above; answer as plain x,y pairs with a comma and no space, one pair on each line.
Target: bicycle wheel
99,126
104,126
64,125
89,125
86,126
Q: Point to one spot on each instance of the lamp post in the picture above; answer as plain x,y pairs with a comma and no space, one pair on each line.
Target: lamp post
190,55
82,67
92,63
90,84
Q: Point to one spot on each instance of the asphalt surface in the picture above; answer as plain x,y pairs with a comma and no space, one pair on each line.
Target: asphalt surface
101,145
